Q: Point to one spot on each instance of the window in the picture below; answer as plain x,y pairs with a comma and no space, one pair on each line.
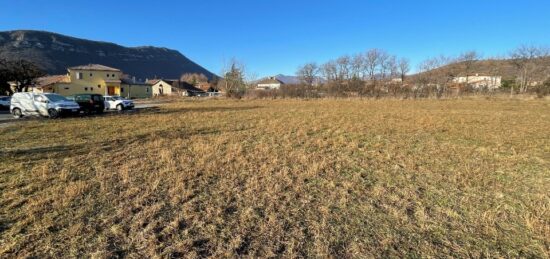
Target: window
91,88
91,75
85,88
79,75
98,86
107,75
66,88
39,98
122,89
113,75
147,89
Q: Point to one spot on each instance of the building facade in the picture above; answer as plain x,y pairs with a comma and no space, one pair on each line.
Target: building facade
269,84
135,90
93,79
160,87
480,81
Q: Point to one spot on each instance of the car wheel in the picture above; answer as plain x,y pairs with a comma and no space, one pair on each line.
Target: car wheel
17,113
53,113
120,107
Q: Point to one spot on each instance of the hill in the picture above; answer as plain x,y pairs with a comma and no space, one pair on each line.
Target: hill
503,67
55,52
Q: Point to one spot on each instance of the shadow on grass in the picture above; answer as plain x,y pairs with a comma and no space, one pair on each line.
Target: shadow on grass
157,110
106,146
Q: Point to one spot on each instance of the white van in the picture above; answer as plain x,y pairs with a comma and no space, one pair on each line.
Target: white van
49,105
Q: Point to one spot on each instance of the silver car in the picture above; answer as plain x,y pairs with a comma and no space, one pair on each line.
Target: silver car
47,104
5,102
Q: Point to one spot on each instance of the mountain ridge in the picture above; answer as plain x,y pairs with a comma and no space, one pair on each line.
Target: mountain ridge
56,52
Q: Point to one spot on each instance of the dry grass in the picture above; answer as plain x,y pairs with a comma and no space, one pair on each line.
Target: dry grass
343,178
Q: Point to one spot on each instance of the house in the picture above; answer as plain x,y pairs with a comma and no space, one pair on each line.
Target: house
176,87
92,78
205,86
132,89
480,81
187,89
47,84
161,87
269,83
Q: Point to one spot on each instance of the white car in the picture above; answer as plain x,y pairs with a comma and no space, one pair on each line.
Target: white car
5,102
47,104
118,103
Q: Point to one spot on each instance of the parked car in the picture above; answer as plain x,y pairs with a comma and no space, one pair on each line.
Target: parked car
47,104
118,103
5,102
89,102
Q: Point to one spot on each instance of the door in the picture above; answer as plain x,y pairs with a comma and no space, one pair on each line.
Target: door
108,102
111,90
27,104
41,104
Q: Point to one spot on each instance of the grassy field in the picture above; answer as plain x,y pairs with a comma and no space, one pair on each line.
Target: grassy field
222,178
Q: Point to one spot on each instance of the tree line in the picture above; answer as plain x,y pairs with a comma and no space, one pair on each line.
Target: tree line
21,73
373,73
376,73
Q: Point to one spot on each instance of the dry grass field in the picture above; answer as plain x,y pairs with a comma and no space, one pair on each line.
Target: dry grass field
282,178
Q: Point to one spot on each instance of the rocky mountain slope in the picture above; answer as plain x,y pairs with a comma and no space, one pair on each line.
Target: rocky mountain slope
55,52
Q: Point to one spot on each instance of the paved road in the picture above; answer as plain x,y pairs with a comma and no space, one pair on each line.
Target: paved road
5,116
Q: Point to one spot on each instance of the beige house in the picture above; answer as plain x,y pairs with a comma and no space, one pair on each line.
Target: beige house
269,83
480,81
160,87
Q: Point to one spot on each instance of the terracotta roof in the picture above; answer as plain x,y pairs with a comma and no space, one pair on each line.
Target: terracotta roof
50,80
95,67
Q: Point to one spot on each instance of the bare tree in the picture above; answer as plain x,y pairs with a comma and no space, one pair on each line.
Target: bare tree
308,73
5,77
357,64
22,72
527,60
403,67
372,60
193,78
344,67
329,71
467,61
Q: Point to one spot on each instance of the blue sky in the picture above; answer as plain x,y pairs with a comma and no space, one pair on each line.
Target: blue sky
273,37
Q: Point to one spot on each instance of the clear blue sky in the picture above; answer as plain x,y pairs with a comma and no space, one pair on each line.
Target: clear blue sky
273,37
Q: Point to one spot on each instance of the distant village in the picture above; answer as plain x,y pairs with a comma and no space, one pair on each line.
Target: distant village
104,80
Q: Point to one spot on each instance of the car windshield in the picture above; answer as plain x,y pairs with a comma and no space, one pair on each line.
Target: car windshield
116,98
55,98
